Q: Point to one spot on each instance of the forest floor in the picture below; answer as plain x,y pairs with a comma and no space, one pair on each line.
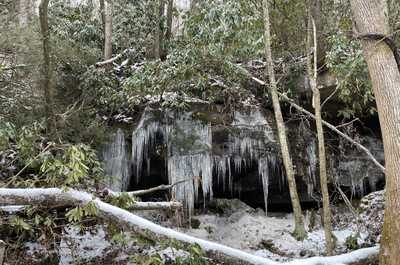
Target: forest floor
229,222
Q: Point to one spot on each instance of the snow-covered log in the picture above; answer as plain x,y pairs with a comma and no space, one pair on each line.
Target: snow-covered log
66,199
348,258
55,197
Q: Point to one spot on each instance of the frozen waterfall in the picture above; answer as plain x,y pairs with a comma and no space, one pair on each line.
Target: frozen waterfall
117,162
190,156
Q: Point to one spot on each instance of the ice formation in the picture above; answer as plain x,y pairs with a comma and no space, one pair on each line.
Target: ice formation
312,166
190,155
117,162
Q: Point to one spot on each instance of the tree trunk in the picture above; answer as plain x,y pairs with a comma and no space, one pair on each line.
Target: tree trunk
299,231
168,34
158,38
2,251
312,73
23,13
46,69
371,17
108,17
103,14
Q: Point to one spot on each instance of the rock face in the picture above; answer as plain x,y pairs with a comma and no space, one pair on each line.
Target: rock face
230,154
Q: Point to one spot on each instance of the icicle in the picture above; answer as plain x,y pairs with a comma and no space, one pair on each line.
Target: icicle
143,139
189,157
312,167
116,162
263,171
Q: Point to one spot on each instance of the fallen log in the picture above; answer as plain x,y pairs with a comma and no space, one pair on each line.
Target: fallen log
64,200
54,196
115,58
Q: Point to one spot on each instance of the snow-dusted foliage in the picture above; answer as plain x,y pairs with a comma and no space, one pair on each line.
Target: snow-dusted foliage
116,162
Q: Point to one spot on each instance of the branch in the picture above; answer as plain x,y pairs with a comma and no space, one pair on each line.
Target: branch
118,56
54,196
151,190
330,126
16,67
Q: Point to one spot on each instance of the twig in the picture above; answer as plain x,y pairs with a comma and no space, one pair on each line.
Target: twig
348,123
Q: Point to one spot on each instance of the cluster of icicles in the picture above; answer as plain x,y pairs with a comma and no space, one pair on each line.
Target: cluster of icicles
190,157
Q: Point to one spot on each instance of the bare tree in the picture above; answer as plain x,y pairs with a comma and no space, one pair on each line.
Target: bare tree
312,74
46,69
108,22
299,231
371,19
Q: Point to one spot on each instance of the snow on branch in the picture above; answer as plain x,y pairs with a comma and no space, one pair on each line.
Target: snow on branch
56,197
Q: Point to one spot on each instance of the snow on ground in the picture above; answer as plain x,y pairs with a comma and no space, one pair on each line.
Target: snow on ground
75,246
269,237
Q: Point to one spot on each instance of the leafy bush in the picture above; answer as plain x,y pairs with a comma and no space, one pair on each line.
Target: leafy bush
347,63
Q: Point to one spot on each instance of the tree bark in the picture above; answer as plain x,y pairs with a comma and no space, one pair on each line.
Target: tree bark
23,13
313,73
46,68
103,14
168,34
371,17
54,197
108,17
299,231
158,38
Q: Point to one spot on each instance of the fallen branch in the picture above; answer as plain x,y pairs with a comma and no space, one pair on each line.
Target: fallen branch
137,193
156,206
118,56
333,128
50,197
330,126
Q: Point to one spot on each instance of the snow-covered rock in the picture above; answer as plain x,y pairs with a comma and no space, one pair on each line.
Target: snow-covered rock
372,209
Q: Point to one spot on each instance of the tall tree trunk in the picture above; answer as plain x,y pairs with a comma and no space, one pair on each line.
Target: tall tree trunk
158,38
168,34
46,69
103,14
371,17
108,10
312,74
299,231
23,13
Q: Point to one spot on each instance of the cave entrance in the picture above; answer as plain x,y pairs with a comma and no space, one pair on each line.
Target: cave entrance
247,186
154,171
